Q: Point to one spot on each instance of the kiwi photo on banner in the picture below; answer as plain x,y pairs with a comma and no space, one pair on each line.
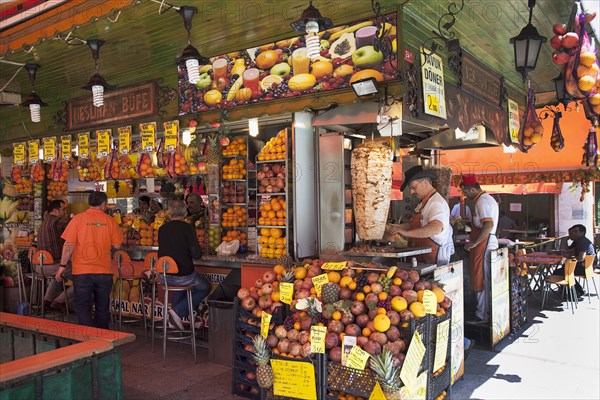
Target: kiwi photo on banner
500,299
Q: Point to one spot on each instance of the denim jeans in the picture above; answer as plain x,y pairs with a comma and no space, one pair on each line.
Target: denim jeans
93,289
179,299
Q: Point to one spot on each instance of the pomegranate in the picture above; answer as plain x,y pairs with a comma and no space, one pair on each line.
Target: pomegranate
248,303
302,294
293,335
372,314
254,294
372,347
269,276
418,286
272,341
560,57
335,326
361,341
398,360
265,302
357,308
313,271
305,324
307,284
402,274
362,320
280,332
394,317
406,285
570,40
250,375
427,285
347,319
331,340
275,305
410,296
353,330
345,293
243,293
413,275
304,337
393,333
258,284
556,42
372,277
393,347
298,285
295,348
348,272
376,288
406,316
267,288
379,337
283,345
371,300
394,291
336,354
446,303
305,352
559,29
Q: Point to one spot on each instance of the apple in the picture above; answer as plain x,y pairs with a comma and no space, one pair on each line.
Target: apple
367,57
570,40
560,57
204,81
220,84
282,69
224,141
324,44
559,29
555,42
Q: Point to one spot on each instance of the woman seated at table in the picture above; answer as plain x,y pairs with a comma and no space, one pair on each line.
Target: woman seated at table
580,247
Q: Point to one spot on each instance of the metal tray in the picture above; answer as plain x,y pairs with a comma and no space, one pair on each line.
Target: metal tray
399,253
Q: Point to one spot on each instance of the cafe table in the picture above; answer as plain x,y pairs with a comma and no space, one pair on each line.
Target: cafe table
544,264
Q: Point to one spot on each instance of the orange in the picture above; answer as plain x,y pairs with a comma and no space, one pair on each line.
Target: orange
397,281
381,310
276,232
334,277
399,303
367,289
381,322
382,296
321,68
279,269
300,273
352,285
267,59
360,296
336,315
345,281
366,332
265,231
275,296
275,205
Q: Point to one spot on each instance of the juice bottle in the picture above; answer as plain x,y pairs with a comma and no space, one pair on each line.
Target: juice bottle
300,61
219,68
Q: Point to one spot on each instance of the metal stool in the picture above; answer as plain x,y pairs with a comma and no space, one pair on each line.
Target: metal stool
149,263
40,259
123,261
164,265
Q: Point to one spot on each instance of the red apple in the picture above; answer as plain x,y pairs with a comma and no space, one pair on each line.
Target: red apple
560,57
556,42
224,141
570,40
559,29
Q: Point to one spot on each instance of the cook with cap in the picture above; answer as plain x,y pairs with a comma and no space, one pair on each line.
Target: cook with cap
482,241
430,223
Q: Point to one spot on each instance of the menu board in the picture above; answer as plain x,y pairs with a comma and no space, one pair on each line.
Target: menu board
19,153
49,145
65,147
513,121
499,296
103,138
148,135
83,143
432,74
33,147
171,135
124,139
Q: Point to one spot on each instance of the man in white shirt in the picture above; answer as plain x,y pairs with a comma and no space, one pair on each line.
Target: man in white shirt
455,213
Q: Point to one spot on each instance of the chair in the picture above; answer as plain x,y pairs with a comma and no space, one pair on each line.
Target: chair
42,260
589,274
567,282
123,261
163,265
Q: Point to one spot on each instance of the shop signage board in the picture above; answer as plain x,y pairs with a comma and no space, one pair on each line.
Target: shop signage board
432,77
499,296
83,142
124,139
65,146
19,153
103,138
33,150
513,121
235,81
49,146
480,80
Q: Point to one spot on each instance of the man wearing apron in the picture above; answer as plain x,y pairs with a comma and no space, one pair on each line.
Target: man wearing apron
482,241
430,224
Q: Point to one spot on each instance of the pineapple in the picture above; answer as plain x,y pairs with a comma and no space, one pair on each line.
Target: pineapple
287,261
289,276
264,373
330,293
387,375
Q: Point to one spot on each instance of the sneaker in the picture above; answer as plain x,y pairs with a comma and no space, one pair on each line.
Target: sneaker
176,320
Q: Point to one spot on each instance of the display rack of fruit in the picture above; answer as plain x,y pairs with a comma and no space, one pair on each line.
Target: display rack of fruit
271,177
275,149
272,242
234,169
232,193
237,147
272,212
234,217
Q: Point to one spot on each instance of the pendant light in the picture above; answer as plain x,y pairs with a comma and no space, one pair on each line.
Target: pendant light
97,83
33,101
527,45
311,22
190,54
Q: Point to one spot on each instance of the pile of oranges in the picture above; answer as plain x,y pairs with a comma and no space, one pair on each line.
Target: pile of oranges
275,149
181,166
24,186
236,169
146,168
37,172
234,216
273,212
24,241
236,235
236,148
272,242
56,190
148,235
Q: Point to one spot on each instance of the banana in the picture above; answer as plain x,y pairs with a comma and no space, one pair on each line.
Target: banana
205,68
239,66
234,88
350,29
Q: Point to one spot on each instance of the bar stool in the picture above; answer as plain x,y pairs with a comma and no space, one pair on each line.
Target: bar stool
149,263
40,259
123,261
163,265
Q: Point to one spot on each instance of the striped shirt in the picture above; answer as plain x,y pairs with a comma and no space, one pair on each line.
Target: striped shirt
49,236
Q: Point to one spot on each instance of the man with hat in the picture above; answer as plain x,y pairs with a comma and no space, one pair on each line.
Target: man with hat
482,241
430,224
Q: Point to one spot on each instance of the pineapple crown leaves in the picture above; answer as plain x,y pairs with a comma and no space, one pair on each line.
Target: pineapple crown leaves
343,306
289,276
311,304
388,375
261,351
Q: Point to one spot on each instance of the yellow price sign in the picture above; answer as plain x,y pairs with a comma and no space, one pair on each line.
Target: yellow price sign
65,147
317,339
34,151
433,103
319,281
357,358
430,302
265,321
294,379
412,363
171,135
158,222
377,393
83,142
286,292
19,153
117,218
441,344
136,223
124,139
148,134
49,145
103,141
334,266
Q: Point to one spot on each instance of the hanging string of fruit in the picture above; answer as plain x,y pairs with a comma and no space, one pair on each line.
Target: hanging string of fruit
557,141
531,131
590,149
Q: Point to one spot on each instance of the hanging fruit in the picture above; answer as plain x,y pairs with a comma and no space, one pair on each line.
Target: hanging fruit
590,149
531,129
557,141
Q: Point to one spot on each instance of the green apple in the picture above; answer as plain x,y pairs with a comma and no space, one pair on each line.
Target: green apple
367,57
324,44
282,69
204,81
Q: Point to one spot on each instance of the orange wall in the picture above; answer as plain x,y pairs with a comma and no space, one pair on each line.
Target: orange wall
574,127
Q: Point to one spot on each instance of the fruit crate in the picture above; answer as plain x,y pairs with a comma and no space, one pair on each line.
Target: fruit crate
242,386
440,383
348,380
433,324
422,325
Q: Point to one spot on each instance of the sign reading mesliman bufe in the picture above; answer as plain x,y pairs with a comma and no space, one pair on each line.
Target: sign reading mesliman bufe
123,104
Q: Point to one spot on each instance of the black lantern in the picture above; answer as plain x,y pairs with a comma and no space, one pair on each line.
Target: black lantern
527,45
559,85
97,84
33,101
190,55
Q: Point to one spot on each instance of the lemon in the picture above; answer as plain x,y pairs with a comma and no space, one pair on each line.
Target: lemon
269,80
213,97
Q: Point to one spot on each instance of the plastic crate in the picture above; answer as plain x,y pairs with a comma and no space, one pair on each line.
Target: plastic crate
435,321
348,380
241,382
421,325
437,384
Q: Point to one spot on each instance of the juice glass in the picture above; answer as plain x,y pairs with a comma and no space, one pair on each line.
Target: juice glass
219,68
365,36
300,61
250,77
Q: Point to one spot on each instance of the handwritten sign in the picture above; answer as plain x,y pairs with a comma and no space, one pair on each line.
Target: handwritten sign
19,153
357,358
317,339
103,141
513,120
412,363
117,218
334,266
432,74
49,144
83,142
430,302
377,393
171,135
286,292
265,321
65,147
136,223
124,139
294,379
319,281
148,134
441,344
33,147
421,386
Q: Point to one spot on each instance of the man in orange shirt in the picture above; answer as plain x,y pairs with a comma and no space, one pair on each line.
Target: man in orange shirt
88,239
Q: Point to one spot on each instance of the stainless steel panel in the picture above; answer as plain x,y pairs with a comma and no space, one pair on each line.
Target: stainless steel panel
331,190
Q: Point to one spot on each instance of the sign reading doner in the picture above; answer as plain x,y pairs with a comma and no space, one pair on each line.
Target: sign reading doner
123,104
432,75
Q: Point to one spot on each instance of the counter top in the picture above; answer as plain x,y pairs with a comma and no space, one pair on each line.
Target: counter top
391,253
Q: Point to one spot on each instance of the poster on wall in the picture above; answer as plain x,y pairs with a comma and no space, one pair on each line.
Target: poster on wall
283,69
432,76
499,295
513,120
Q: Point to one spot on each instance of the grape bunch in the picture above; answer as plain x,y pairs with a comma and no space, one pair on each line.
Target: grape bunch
387,304
385,282
289,323
361,280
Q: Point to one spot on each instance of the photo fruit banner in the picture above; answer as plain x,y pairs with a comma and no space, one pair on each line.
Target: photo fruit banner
283,69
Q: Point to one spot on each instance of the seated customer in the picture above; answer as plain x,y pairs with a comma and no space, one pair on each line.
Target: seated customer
579,248
177,239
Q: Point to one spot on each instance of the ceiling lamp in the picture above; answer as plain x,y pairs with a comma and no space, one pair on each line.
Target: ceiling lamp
527,45
253,127
312,23
559,86
33,100
190,54
97,83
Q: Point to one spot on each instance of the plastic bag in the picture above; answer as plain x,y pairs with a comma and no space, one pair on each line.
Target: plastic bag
37,172
582,70
111,169
590,149
144,167
531,131
557,141
228,248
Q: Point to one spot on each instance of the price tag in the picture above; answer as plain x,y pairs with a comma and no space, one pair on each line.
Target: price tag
357,358
319,281
136,223
19,153
103,141
117,218
171,135
334,266
392,271
377,393
441,344
412,363
433,103
286,292
158,222
34,151
49,144
124,139
65,147
293,379
347,345
148,134
83,142
421,386
430,302
265,321
317,339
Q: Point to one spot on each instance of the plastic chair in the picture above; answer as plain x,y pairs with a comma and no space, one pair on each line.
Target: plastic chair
567,283
589,274
123,261
41,259
163,266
